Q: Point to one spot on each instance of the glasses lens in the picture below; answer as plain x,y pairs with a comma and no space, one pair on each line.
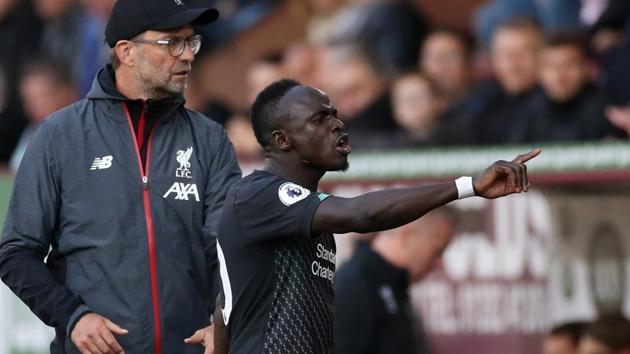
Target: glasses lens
195,43
176,46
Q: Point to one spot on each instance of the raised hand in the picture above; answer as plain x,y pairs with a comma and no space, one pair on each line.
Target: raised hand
205,337
94,334
503,178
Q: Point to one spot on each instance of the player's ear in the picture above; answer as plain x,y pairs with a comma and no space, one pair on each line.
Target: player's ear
280,140
124,51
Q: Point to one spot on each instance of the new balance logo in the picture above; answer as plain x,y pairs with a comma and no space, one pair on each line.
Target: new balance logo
101,163
183,191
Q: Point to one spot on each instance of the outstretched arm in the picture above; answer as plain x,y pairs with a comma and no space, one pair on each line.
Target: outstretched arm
390,208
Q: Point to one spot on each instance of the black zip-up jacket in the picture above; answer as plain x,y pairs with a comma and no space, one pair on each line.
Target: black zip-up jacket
131,231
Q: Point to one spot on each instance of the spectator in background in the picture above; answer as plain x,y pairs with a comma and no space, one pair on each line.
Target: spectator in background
498,106
92,51
241,134
374,314
62,31
391,29
564,339
356,82
299,62
418,107
494,111
554,15
44,88
261,74
570,107
445,59
609,334
20,35
614,75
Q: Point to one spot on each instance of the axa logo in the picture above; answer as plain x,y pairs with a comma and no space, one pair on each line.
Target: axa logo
102,163
179,2
183,191
183,158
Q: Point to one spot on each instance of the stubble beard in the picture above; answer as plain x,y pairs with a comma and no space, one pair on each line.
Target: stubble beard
156,83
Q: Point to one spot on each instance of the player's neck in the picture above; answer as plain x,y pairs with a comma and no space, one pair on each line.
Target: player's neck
306,176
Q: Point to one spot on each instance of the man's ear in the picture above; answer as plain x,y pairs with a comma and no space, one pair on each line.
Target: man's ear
124,51
280,140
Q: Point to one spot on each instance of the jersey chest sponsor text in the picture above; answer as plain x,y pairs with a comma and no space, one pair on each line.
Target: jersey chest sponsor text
323,265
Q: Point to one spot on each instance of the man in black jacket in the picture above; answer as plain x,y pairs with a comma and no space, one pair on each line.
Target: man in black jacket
124,188
374,313
569,107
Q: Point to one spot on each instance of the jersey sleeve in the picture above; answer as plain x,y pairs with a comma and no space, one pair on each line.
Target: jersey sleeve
276,210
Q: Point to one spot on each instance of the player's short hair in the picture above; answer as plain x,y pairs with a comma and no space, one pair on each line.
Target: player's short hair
572,330
266,109
612,330
568,38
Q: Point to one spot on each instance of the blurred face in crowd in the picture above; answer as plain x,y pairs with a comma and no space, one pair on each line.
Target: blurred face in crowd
100,8
443,59
51,8
241,134
5,7
299,62
260,75
564,71
559,344
589,345
515,58
416,107
157,73
351,83
424,241
42,95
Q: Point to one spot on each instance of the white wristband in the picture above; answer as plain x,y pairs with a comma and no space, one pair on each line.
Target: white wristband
464,187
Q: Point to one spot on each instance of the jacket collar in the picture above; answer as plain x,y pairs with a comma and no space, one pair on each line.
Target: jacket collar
104,88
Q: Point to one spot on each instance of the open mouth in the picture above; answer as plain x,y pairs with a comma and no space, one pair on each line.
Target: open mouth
343,145
181,73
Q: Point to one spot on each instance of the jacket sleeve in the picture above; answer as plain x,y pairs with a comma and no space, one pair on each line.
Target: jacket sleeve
27,234
224,172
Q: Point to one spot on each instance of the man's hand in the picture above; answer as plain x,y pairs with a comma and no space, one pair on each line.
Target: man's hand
94,334
619,117
205,337
503,178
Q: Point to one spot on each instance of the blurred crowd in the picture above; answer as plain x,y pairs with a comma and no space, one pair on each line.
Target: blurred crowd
608,334
528,71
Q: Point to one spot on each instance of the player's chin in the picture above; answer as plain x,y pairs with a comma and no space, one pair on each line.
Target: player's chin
341,165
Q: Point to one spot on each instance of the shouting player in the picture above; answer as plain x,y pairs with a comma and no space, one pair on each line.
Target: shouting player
276,245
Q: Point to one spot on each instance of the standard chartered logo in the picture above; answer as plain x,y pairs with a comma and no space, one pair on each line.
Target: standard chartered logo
323,270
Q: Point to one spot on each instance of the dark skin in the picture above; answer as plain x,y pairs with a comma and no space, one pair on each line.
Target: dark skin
308,145
310,142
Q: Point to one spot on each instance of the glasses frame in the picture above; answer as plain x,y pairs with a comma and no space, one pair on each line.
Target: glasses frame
188,41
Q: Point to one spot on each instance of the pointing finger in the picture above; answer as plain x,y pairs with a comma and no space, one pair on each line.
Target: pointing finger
526,157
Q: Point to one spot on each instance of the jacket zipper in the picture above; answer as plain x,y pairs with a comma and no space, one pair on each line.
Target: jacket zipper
144,173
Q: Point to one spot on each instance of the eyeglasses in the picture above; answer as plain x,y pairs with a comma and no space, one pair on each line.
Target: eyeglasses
176,45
